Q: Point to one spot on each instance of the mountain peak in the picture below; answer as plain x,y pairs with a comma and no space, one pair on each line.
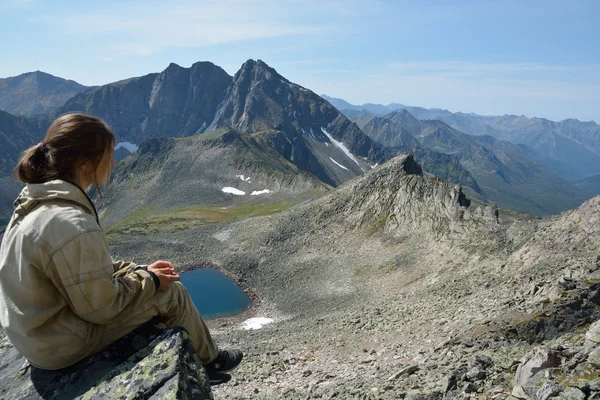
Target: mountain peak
36,92
172,66
257,70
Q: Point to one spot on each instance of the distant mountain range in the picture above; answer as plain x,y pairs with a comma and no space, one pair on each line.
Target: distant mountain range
569,148
35,93
505,174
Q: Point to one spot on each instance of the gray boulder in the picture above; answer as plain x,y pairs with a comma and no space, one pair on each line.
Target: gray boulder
151,362
532,368
572,393
592,336
548,390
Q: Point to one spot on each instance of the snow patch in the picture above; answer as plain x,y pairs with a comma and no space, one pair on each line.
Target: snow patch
338,164
245,179
129,146
257,192
341,146
237,192
374,165
256,323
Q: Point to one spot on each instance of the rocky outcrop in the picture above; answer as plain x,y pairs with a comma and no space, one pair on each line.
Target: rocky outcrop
151,362
399,199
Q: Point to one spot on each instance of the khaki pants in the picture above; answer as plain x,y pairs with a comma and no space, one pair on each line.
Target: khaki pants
177,309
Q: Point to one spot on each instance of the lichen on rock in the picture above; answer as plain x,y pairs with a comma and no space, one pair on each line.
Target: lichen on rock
152,362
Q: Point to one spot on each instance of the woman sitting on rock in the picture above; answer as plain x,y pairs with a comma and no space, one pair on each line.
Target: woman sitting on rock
62,297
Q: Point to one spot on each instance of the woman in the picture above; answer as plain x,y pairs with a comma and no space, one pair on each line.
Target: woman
62,298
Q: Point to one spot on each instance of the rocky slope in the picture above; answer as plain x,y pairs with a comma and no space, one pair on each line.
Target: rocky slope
35,93
207,178
396,285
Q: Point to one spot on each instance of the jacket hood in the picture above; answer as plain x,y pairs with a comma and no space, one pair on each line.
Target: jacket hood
35,193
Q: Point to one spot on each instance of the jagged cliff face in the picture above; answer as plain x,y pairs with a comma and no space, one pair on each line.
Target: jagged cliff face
315,136
176,102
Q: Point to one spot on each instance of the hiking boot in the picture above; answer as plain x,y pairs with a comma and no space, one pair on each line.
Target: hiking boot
226,361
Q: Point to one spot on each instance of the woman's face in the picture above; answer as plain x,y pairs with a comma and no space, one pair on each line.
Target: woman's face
105,167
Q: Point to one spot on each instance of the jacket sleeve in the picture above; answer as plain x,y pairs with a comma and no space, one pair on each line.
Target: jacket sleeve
83,271
121,267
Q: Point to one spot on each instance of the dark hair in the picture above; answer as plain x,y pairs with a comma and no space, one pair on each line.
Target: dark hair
71,141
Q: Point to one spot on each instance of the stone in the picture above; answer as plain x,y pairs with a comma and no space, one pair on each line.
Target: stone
475,374
592,336
536,361
151,362
519,393
594,385
572,393
411,369
450,383
594,357
469,388
548,390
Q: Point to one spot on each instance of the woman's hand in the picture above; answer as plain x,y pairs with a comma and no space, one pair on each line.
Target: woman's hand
165,272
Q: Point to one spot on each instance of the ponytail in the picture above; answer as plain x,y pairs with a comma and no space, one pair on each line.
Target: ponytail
33,167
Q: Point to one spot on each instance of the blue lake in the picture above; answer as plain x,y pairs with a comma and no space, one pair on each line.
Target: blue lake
215,294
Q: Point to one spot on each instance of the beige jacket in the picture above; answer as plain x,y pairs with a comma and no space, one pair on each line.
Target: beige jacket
59,286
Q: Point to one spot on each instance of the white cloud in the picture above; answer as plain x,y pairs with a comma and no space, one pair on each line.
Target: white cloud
145,28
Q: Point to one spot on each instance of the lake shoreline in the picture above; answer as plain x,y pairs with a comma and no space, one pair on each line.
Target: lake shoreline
227,321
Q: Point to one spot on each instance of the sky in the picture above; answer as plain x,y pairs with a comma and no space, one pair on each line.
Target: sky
526,57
